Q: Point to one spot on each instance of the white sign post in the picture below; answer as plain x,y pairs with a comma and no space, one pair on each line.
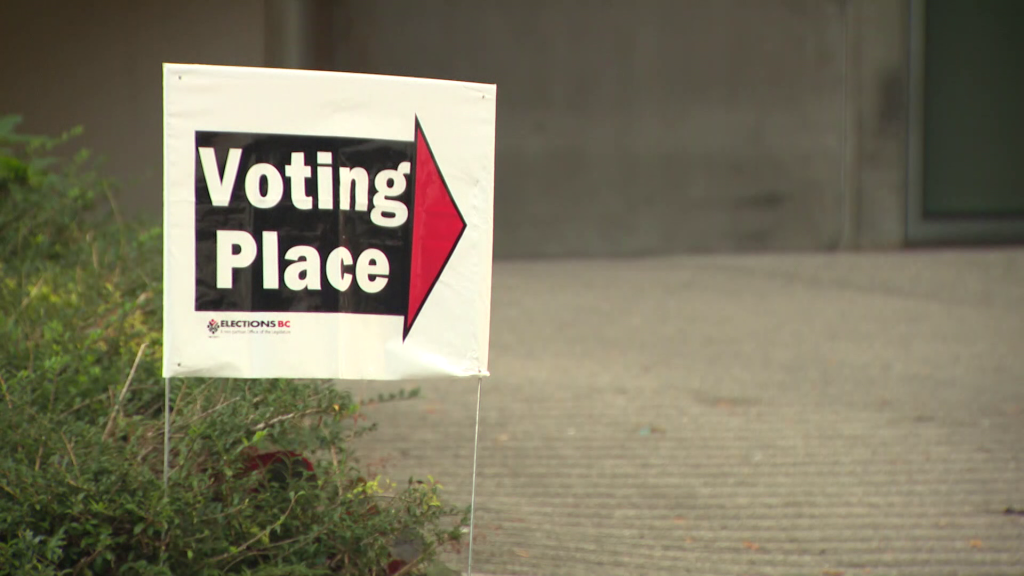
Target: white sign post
326,225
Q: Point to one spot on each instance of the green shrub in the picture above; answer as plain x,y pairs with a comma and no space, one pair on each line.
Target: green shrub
82,417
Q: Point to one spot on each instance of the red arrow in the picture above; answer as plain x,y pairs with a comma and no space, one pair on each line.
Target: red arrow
437,226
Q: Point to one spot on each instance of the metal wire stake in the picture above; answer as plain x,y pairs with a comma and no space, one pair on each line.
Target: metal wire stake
472,497
167,430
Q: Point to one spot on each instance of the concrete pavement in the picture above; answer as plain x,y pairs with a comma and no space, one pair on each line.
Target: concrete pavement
816,414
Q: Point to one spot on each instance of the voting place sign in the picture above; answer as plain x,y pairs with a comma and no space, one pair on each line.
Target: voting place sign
326,224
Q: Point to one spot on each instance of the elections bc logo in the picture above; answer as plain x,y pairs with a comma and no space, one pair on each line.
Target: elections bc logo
249,326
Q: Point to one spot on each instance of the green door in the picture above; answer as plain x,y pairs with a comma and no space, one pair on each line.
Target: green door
971,80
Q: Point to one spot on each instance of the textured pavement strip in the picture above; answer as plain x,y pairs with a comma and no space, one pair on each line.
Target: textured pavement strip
738,415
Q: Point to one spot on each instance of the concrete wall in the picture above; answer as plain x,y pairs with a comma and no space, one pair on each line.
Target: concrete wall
669,125
98,64
624,128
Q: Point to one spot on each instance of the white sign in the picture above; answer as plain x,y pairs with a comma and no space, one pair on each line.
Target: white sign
326,224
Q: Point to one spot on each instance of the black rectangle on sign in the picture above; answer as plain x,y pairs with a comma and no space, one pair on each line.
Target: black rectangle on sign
319,196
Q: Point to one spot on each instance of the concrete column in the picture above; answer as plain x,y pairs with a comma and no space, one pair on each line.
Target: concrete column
879,98
299,34
849,180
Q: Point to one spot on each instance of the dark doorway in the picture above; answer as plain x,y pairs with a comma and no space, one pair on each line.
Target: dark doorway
967,158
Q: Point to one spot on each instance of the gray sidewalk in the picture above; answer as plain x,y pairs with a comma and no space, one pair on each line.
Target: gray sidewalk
742,415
